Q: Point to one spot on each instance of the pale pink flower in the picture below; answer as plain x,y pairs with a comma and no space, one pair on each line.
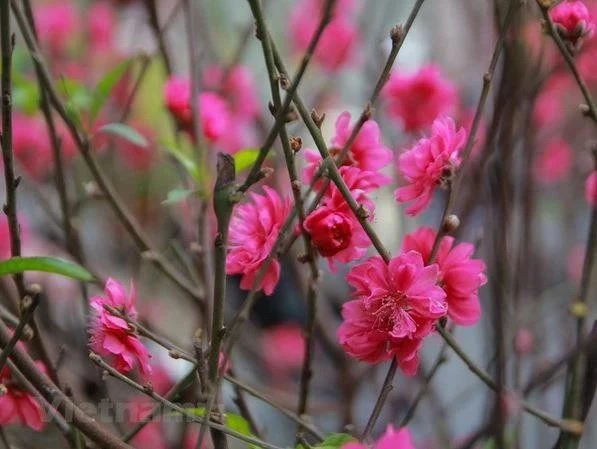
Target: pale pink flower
572,20
428,163
367,152
238,88
334,229
391,439
554,163
254,228
416,100
283,348
101,26
337,45
214,114
459,275
548,109
395,307
57,23
591,189
17,405
112,336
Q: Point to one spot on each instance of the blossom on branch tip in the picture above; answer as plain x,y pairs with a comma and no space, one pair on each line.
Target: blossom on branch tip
254,228
572,20
334,228
394,307
429,163
112,336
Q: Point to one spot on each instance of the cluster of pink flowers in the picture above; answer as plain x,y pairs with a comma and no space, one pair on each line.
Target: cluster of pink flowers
334,229
17,405
229,99
112,336
396,305
254,229
391,439
429,163
337,45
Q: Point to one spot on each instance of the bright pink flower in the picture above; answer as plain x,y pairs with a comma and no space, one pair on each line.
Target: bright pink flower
254,229
57,24
554,163
591,189
428,162
335,230
112,336
336,47
395,307
116,296
283,348
214,114
391,439
459,275
17,405
418,99
367,152
395,439
572,20
101,26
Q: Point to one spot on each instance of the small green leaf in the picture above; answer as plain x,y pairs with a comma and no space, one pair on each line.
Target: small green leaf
54,265
104,88
125,132
189,164
245,158
25,95
177,195
335,440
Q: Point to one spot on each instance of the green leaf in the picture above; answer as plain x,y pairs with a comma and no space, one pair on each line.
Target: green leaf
25,95
233,422
245,158
54,265
335,440
125,132
77,98
177,195
104,88
186,161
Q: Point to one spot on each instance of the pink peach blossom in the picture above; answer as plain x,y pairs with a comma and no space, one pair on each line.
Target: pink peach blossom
416,100
460,275
337,45
57,23
428,162
112,336
335,230
554,163
367,152
395,307
101,26
17,405
214,114
548,108
391,439
572,20
283,348
254,228
238,88
591,189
